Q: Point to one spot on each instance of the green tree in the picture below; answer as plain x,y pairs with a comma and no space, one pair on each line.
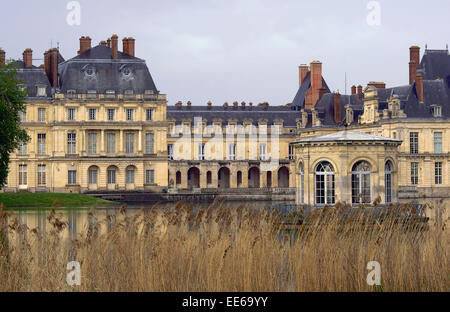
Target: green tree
12,99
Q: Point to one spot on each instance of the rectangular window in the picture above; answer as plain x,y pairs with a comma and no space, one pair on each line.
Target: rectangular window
130,114
129,143
291,152
149,143
22,148
262,151
93,176
22,174
41,175
414,142
149,114
71,114
71,143
150,176
438,142
130,176
72,177
41,143
414,173
170,151
438,173
111,176
201,151
92,114
111,112
92,143
232,151
23,115
41,114
111,143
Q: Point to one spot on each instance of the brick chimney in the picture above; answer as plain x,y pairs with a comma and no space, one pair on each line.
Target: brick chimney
322,92
28,57
103,43
125,45
225,105
179,105
46,63
243,105
353,90
209,104
235,104
378,85
189,104
303,71
131,46
108,43
114,46
85,44
337,107
316,80
414,62
53,66
419,87
2,57
250,104
360,92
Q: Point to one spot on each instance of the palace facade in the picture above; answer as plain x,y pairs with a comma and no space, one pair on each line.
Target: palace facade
98,124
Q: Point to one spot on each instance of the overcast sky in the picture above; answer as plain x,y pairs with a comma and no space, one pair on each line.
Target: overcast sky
239,50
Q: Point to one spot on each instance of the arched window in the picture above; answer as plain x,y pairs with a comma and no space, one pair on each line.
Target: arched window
361,172
208,177
239,179
178,178
388,181
324,183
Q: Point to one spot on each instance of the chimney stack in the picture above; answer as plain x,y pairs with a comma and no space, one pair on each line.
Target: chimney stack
419,87
209,104
235,104
103,43
85,44
353,90
2,57
414,62
360,92
243,105
378,85
131,46
189,104
114,46
250,105
303,71
125,45
337,107
322,92
179,104
46,63
28,57
316,81
108,43
53,67
225,105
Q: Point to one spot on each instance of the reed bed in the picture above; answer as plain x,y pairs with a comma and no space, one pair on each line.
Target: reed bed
233,250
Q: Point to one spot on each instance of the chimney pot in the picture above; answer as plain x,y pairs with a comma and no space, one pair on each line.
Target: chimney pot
225,105
360,92
125,45
414,62
108,43
209,104
179,104
235,104
114,46
131,46
28,57
353,90
85,44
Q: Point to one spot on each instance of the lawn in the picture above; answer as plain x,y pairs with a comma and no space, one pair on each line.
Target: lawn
48,199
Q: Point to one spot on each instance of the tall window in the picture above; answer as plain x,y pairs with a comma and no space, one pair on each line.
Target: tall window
111,112
129,143
93,173
438,173
111,175
361,182
291,152
22,174
23,115
41,114
71,114
130,175
72,177
41,143
414,173
302,184
149,114
92,143
41,175
438,142
178,178
232,151
111,143
71,143
201,151
170,151
262,151
150,176
325,193
92,114
388,182
130,114
22,148
414,142
149,143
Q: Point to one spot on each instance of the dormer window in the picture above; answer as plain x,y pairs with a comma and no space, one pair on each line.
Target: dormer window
126,72
437,111
40,91
89,72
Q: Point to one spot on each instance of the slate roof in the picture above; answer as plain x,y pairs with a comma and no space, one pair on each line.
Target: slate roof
96,70
436,65
348,136
33,77
255,113
299,100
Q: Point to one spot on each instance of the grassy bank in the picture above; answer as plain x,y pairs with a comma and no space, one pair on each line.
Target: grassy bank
11,200
219,249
